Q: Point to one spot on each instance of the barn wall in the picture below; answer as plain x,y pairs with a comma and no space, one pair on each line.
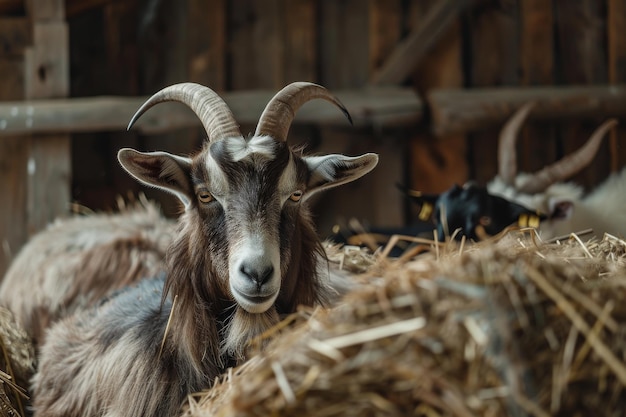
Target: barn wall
135,47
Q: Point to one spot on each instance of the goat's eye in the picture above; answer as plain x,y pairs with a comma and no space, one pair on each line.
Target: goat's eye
204,196
296,196
485,220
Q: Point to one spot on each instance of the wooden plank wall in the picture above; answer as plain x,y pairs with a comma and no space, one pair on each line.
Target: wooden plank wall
539,43
34,170
244,45
136,47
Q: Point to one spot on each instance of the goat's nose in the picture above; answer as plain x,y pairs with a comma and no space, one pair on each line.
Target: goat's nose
258,274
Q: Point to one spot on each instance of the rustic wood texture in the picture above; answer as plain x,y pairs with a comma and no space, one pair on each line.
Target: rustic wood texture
15,35
106,62
14,38
300,39
495,61
47,76
12,80
464,65
256,45
616,50
462,110
408,53
351,43
436,165
48,180
581,31
206,53
344,43
48,10
369,107
537,144
385,30
35,169
47,61
13,217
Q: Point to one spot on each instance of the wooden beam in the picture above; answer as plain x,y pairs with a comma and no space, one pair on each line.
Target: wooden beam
46,75
408,53
465,110
45,10
11,6
15,35
375,107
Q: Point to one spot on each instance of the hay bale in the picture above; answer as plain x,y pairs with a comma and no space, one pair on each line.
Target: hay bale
517,329
17,365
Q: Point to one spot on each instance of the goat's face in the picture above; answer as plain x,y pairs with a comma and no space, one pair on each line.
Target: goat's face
247,196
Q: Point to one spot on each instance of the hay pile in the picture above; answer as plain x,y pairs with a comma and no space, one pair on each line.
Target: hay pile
509,329
17,365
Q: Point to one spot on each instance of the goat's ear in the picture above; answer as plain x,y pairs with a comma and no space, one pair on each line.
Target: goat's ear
161,170
560,208
333,170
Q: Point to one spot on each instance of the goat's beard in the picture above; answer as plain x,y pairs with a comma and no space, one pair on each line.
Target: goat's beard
242,328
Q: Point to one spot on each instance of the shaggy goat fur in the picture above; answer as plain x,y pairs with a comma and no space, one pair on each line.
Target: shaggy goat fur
78,260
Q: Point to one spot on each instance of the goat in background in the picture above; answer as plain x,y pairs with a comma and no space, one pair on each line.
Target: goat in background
564,204
541,200
245,253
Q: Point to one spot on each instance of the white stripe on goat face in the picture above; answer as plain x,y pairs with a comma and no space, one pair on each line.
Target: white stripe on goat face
257,178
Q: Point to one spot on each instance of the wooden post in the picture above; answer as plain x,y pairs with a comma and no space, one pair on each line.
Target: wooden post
47,76
36,170
15,36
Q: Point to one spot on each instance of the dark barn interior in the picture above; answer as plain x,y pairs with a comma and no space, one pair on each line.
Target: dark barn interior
429,84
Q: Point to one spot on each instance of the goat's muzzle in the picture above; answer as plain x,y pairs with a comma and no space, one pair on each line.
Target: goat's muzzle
255,278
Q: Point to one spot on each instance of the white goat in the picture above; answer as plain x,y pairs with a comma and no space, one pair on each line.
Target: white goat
78,260
564,204
245,253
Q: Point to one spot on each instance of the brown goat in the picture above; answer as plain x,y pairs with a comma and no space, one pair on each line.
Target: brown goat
244,254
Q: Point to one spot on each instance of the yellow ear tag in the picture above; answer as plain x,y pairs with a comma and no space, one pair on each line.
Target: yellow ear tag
425,212
526,220
533,221
522,220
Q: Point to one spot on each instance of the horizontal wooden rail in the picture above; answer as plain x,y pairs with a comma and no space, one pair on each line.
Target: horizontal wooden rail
376,106
464,110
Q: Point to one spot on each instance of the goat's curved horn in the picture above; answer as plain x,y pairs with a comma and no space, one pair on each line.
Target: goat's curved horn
281,109
568,165
213,112
507,156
